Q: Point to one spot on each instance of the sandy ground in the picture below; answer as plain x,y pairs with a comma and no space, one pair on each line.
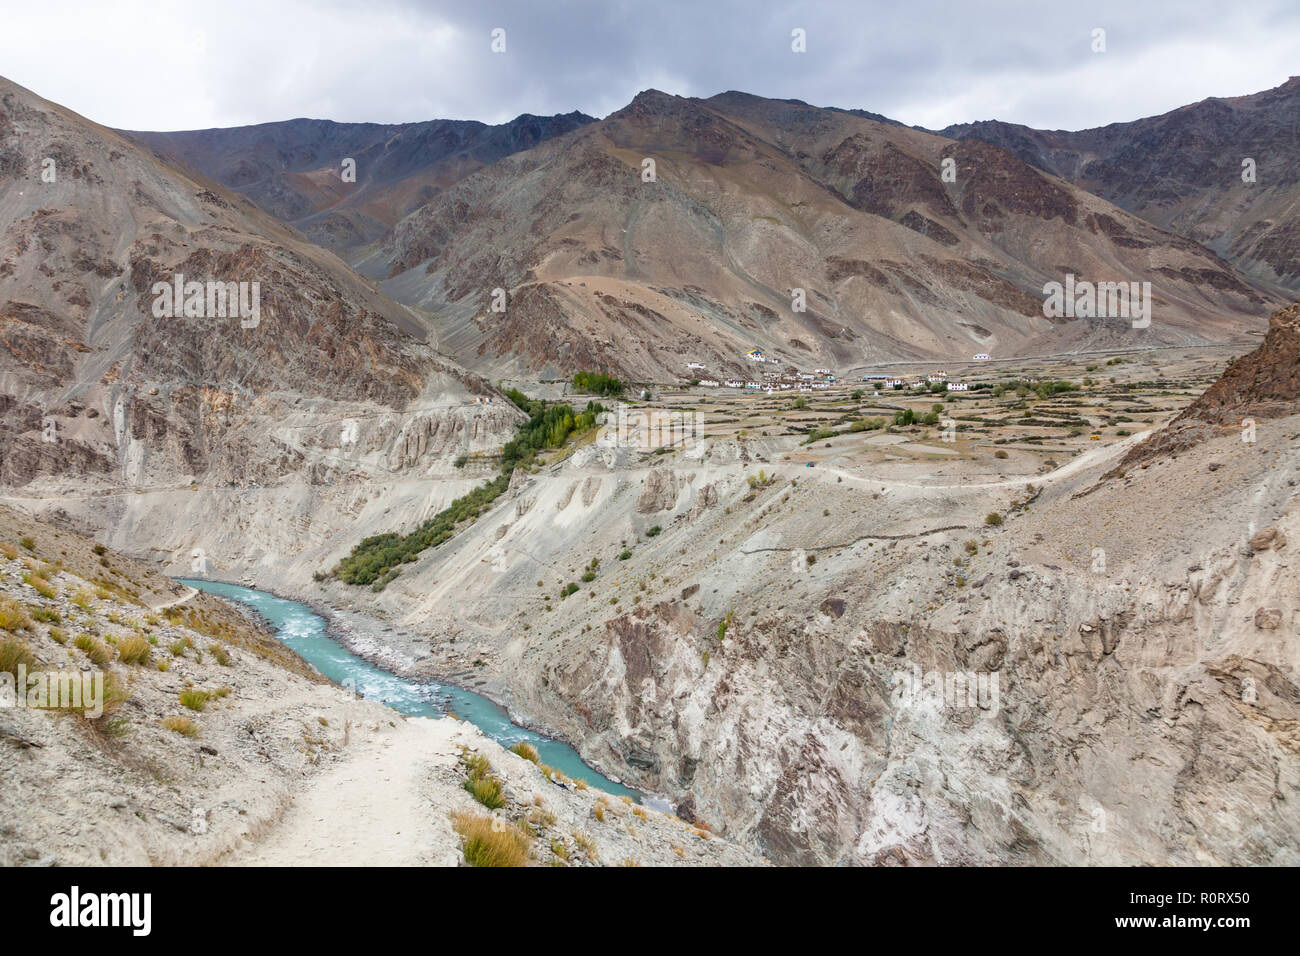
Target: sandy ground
372,808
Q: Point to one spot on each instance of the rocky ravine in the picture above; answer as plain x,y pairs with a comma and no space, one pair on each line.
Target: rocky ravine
276,766
1142,629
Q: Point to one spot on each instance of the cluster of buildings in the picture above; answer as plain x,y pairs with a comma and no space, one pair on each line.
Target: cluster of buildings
791,379
885,381
787,380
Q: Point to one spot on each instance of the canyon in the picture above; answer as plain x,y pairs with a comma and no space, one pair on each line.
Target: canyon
744,602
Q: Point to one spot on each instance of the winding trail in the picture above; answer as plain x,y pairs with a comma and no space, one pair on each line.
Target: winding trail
180,600
1089,458
372,808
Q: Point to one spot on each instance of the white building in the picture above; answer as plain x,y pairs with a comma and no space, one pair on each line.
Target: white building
958,387
983,357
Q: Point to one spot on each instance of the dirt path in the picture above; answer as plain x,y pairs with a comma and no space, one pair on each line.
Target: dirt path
373,808
1088,459
180,600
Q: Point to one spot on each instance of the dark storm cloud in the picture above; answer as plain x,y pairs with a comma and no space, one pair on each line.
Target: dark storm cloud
140,64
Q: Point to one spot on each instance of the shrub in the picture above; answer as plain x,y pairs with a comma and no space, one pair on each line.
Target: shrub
993,519
182,725
487,791
134,650
486,842
220,654
588,576
115,695
27,543
527,751
653,531
867,424
476,765
194,699
999,454
12,653
12,616
597,384
625,555
8,550
43,587
97,651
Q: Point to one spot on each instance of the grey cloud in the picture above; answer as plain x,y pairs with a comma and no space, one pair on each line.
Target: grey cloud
924,62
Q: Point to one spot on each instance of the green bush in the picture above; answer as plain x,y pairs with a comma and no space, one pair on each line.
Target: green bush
375,559
13,653
487,791
597,384
527,751
194,699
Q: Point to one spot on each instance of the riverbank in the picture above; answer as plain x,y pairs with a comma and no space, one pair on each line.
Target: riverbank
305,633
220,747
412,657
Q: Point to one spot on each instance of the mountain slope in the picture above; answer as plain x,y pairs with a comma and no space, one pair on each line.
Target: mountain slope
1183,171
753,199
1255,388
293,169
103,400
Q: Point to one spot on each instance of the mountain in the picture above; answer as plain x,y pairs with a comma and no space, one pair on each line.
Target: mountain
753,199
1255,388
294,169
102,392
1183,171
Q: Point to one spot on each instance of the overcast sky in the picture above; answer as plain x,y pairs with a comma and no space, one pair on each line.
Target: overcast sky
150,64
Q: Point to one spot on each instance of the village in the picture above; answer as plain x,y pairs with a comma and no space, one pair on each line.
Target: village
789,378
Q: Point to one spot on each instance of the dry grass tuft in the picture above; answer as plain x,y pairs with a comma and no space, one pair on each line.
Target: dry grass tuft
487,841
